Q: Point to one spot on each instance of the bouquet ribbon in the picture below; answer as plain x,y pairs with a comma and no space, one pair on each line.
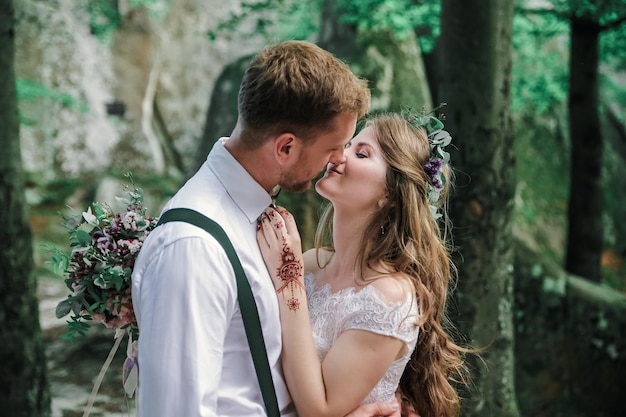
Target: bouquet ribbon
130,372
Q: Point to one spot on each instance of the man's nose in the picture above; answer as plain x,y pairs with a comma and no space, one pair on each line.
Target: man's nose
338,157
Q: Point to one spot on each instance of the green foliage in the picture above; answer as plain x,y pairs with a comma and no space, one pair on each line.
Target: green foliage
28,90
294,19
276,19
602,11
376,15
298,20
428,27
613,48
400,16
540,41
55,190
540,77
103,17
609,15
59,260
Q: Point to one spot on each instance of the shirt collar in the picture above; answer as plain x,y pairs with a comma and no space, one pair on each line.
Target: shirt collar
247,194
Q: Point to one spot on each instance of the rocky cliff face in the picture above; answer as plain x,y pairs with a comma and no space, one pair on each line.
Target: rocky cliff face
155,71
68,72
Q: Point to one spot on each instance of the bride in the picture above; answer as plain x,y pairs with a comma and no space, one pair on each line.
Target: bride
362,314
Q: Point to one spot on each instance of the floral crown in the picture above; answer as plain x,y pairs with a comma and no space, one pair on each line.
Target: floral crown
438,139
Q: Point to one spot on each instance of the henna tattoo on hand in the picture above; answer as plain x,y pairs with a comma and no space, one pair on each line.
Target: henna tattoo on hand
289,273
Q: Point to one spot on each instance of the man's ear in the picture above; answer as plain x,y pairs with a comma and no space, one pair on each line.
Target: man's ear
285,147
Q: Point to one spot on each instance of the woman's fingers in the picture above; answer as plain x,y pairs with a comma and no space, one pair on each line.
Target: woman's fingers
287,229
279,228
266,235
289,221
276,221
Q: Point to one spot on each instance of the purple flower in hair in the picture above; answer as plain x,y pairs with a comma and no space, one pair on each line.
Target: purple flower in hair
433,170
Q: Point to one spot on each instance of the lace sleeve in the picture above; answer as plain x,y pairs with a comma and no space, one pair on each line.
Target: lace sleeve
370,311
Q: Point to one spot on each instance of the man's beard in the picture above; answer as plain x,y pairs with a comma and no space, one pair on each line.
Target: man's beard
296,186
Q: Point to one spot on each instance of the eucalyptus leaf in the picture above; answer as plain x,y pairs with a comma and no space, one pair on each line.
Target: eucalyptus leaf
443,138
123,200
82,238
74,221
63,309
76,307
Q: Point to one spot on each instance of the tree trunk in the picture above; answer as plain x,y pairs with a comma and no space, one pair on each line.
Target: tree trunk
585,233
23,381
335,36
475,77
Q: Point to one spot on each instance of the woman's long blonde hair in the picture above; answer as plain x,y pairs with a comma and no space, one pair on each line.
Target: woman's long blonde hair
404,236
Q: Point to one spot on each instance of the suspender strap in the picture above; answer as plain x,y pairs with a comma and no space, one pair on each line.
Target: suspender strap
247,305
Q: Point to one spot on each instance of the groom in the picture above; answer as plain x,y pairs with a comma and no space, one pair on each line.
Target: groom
298,107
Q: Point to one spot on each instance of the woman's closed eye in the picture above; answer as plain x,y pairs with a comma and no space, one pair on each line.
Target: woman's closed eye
362,151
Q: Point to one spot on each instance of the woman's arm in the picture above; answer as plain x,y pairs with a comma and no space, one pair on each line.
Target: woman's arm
357,360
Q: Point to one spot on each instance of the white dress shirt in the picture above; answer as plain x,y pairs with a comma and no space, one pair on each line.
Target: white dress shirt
194,358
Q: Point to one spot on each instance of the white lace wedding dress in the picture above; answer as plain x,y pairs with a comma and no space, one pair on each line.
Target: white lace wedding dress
365,309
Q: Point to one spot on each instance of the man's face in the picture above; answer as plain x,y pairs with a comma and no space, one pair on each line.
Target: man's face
315,155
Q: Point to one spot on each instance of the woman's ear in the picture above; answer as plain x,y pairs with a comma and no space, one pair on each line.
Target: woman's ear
383,201
285,147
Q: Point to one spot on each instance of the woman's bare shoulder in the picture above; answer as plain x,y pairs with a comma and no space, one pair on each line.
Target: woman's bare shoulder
395,287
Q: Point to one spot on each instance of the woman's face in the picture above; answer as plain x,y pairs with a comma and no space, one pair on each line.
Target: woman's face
358,182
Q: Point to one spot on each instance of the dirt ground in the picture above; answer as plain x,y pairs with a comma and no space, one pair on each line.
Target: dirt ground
74,367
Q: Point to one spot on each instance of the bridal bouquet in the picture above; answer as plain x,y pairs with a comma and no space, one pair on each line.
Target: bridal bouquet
104,246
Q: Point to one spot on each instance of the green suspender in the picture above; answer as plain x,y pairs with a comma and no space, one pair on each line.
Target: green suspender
247,305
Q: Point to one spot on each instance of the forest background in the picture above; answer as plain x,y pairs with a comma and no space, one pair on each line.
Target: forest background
535,93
